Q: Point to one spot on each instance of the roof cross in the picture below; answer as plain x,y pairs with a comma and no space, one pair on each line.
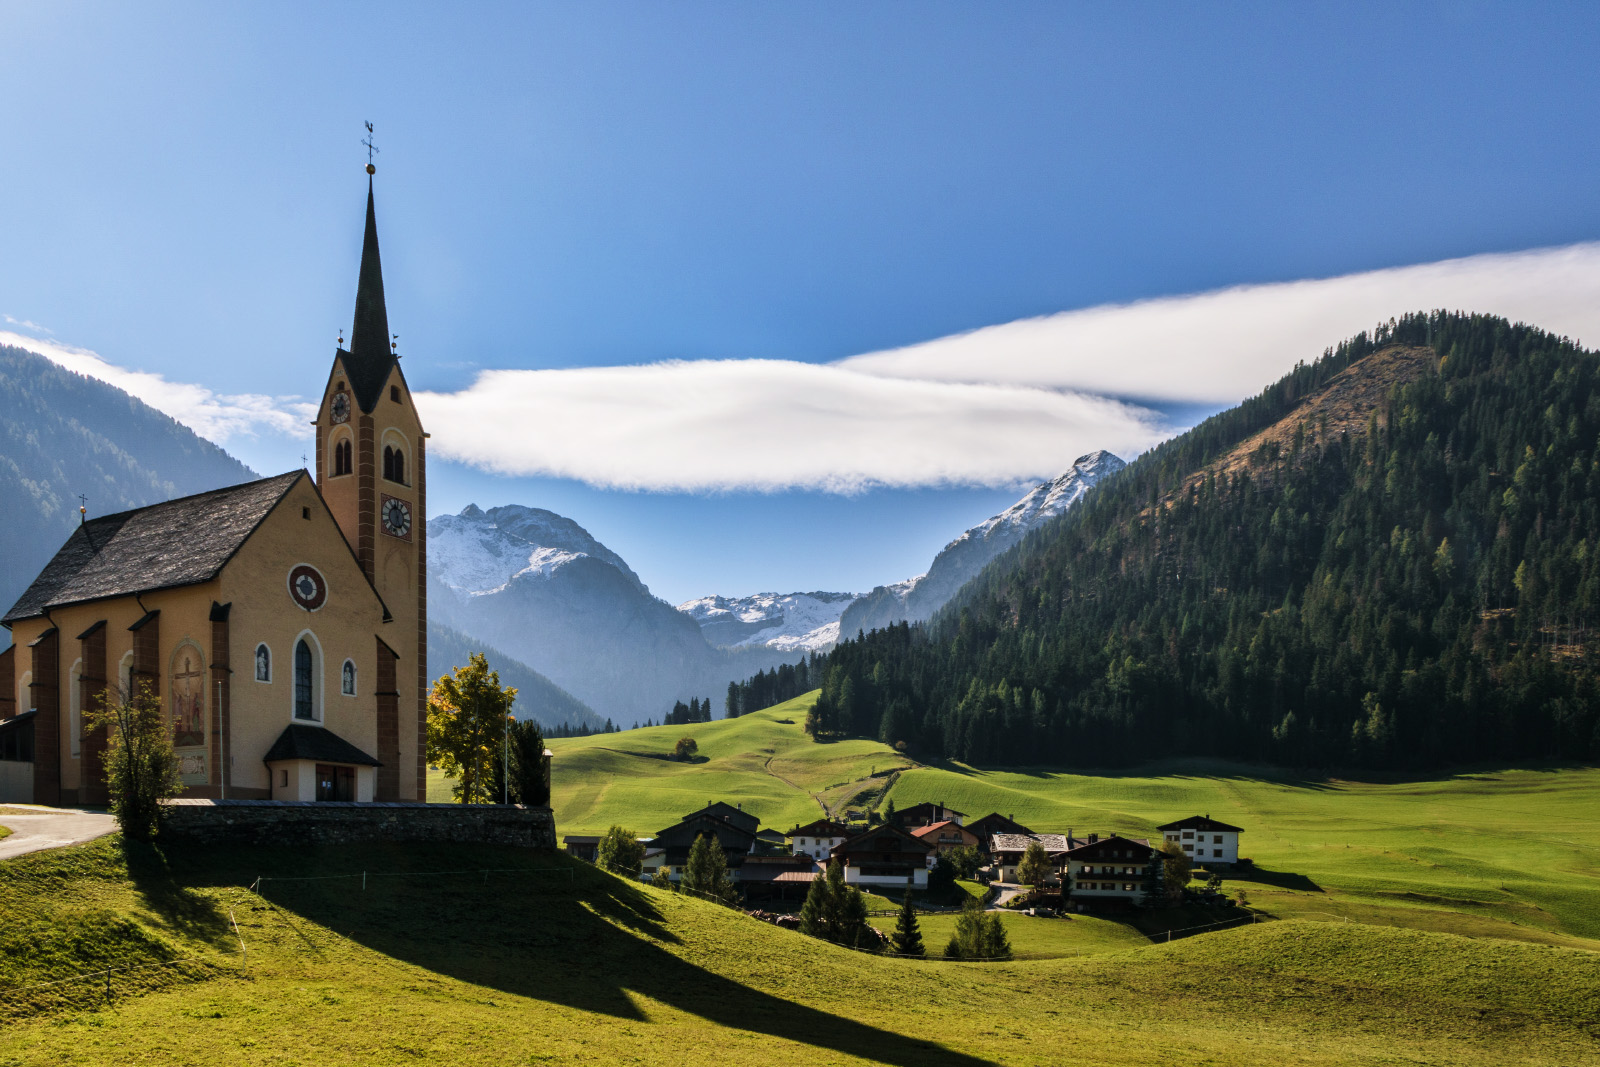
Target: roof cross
371,148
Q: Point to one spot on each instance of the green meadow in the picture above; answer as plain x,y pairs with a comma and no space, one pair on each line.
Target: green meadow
1510,853
547,960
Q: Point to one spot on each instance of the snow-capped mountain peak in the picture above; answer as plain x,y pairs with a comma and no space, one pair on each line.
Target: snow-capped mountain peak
478,552
1048,499
784,621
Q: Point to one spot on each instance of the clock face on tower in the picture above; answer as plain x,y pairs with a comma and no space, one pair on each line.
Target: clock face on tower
341,406
396,517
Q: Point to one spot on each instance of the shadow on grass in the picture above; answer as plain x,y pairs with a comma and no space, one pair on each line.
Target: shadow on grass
188,913
1278,879
587,944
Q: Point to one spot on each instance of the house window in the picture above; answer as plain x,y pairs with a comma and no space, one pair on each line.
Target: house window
263,663
1217,840
1188,835
1216,852
1127,887
304,679
347,679
1188,848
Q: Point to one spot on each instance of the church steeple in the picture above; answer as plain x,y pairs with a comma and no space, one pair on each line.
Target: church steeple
370,358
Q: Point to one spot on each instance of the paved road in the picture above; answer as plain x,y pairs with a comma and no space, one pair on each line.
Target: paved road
43,828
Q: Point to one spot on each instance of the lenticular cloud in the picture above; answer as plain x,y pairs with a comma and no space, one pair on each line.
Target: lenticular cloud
771,424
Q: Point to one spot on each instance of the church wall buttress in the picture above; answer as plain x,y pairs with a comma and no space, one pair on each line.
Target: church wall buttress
221,691
45,690
92,777
388,784
8,683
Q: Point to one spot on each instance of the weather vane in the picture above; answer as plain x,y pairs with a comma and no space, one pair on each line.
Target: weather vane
371,148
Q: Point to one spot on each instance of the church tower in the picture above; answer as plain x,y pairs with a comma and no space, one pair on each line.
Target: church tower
371,469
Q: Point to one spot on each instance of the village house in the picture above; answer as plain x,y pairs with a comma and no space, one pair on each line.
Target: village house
1112,872
585,847
282,623
1207,840
944,836
817,839
991,824
733,828
1006,852
885,856
927,814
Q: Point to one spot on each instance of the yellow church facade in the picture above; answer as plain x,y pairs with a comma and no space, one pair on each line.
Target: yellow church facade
282,622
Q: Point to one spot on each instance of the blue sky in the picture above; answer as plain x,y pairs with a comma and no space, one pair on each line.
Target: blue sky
587,186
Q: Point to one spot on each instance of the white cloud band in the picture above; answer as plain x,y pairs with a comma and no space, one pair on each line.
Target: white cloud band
770,424
1223,346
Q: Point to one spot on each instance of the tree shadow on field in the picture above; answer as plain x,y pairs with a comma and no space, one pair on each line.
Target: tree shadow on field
1278,879
586,944
185,911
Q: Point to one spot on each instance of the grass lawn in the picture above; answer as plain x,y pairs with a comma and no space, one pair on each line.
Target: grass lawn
5,831
1035,938
549,966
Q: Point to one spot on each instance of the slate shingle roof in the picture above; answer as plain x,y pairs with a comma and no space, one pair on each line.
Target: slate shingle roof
1202,822
315,743
178,542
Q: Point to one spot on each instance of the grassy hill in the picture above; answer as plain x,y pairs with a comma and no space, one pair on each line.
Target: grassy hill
763,760
564,964
1508,853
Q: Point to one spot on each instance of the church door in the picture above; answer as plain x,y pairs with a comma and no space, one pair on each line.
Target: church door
335,783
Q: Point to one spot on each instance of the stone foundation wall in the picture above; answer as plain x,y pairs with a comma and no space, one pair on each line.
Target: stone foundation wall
287,822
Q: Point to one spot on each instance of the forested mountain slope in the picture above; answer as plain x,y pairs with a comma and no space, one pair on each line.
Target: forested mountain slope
1387,559
62,434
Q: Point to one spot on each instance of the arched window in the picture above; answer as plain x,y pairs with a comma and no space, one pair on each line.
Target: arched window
263,663
394,464
304,669
347,679
342,457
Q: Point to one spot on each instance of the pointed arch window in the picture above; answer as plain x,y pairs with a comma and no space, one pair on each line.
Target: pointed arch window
343,459
304,679
394,464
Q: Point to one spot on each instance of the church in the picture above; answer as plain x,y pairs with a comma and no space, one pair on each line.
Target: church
282,622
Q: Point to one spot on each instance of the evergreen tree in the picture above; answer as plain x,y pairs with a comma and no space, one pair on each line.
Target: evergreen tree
854,930
1034,868
833,903
979,935
907,939
813,921
706,872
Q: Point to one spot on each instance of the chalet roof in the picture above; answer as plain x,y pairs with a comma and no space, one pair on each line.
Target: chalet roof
1054,844
174,543
933,828
1114,840
819,828
1202,822
319,743
721,809
995,823
874,840
932,807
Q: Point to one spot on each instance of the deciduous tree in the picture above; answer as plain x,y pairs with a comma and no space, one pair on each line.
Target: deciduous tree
141,767
620,851
467,722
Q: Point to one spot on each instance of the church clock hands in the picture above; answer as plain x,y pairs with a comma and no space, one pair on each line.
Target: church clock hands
396,516
341,407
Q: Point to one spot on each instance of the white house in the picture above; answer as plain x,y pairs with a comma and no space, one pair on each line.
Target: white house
817,839
1207,841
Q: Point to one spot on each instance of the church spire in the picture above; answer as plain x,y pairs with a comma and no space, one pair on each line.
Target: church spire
370,358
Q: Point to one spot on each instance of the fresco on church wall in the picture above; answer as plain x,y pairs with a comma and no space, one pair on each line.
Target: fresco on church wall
188,700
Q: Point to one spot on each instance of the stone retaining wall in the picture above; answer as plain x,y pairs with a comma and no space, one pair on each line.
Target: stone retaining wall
287,822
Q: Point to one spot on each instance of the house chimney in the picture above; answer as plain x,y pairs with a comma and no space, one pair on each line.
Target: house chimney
1093,838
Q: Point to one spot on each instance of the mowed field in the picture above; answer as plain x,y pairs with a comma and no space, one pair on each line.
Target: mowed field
1512,853
430,959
